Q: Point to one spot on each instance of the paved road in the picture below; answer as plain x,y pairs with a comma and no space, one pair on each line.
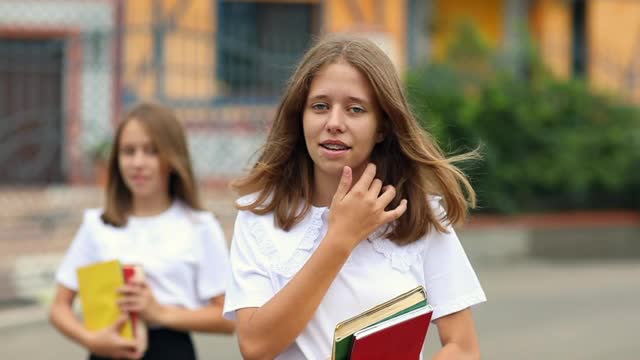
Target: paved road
535,311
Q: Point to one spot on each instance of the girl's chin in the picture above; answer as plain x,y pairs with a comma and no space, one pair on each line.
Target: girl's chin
144,192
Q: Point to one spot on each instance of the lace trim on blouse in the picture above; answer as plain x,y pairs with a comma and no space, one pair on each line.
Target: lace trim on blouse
401,257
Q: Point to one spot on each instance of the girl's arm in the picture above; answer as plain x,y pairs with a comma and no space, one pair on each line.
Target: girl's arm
206,319
137,297
107,342
266,331
458,337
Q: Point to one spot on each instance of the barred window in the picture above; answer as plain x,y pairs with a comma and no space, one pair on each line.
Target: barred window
260,43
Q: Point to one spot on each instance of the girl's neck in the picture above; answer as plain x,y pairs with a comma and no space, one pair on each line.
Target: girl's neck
150,206
325,186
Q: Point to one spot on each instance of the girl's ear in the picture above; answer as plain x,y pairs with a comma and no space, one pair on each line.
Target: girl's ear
379,137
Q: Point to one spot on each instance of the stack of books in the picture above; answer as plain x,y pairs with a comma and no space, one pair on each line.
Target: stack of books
395,329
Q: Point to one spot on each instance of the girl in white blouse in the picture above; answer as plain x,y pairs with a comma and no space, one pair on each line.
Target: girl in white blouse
152,218
349,204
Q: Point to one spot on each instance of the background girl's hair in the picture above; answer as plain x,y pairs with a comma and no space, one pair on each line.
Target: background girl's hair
170,141
408,157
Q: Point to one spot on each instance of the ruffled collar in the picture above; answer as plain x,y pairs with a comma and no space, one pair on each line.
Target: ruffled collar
401,257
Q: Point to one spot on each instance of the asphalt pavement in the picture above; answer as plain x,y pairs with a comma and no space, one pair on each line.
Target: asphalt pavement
536,310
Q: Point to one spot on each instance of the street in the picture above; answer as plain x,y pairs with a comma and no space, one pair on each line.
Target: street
535,310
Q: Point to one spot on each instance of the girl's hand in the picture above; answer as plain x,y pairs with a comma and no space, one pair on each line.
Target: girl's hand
108,342
358,212
137,297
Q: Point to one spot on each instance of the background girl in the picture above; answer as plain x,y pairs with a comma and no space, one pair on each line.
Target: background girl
152,218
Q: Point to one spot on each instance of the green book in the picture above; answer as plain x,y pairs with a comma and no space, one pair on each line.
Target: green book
343,336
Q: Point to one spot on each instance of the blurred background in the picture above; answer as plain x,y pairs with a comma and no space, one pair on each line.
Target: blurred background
548,89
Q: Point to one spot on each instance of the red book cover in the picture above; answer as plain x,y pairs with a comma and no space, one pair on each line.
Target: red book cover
399,341
133,272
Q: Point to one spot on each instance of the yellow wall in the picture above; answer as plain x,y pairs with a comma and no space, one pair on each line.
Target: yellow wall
190,55
486,15
552,26
137,47
614,33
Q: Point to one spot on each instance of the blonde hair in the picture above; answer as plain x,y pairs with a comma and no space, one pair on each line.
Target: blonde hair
168,137
408,157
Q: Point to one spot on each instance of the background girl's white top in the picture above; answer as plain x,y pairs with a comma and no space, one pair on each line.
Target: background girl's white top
183,253
265,258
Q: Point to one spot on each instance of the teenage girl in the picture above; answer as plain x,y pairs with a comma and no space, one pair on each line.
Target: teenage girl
350,204
152,218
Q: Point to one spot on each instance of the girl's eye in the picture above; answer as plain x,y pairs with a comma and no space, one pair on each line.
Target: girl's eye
127,150
151,150
320,106
357,109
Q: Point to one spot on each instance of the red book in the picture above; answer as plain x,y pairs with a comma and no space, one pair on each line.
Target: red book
398,338
135,273
131,273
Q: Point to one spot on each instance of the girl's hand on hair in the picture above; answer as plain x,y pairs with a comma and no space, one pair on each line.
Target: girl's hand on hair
358,211
137,297
108,342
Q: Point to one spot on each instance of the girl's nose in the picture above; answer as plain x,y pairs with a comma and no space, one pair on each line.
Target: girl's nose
335,123
138,158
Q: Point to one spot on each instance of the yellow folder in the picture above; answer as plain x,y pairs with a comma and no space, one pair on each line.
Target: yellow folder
98,290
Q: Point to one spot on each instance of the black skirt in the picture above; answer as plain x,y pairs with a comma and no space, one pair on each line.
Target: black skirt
165,344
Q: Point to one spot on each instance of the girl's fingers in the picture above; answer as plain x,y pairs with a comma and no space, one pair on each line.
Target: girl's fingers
365,180
127,344
345,183
397,212
129,289
376,187
120,322
128,353
387,195
130,305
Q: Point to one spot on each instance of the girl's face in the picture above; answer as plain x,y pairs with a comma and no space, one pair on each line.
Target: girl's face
142,169
341,120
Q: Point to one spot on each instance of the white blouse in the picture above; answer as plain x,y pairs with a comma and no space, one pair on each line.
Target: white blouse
265,258
183,253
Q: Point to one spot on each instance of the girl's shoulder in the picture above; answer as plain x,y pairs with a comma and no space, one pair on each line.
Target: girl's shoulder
93,218
247,216
248,199
195,216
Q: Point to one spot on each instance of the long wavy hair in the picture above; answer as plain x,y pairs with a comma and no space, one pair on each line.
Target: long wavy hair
169,139
408,157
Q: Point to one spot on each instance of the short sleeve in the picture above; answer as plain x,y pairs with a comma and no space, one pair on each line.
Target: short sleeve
450,281
82,252
250,283
213,260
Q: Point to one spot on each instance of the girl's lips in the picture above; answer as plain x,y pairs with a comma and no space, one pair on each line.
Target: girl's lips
333,154
139,179
334,142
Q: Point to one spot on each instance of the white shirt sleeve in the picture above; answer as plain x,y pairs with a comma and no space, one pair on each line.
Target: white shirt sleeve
213,261
250,283
450,281
81,252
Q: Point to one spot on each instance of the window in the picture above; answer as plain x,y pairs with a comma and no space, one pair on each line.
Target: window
31,76
260,43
